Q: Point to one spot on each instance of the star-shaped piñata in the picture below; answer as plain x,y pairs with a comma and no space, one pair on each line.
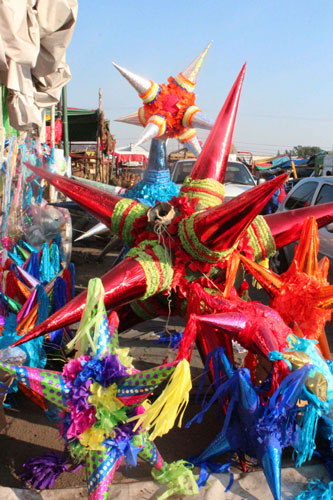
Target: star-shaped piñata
169,110
318,392
249,427
102,396
302,294
184,242
253,325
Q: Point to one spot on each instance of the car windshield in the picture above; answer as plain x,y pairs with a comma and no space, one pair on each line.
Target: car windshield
183,169
237,173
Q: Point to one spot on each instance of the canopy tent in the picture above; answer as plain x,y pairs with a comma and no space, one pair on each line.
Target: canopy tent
83,124
281,162
285,161
132,153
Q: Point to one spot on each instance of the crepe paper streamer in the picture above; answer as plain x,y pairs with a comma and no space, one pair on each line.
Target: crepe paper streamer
171,339
41,472
55,259
208,467
261,239
89,336
156,263
209,191
306,444
193,246
59,299
46,269
35,355
155,186
43,304
178,478
123,217
317,490
162,414
71,269
32,266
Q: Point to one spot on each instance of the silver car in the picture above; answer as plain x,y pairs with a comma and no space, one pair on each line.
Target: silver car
237,177
310,191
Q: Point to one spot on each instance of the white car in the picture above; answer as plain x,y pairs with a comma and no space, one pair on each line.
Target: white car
237,177
307,192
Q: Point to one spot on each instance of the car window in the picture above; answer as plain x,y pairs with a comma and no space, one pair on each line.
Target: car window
301,196
182,170
237,173
325,194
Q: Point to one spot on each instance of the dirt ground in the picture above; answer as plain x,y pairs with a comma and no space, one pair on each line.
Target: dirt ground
29,433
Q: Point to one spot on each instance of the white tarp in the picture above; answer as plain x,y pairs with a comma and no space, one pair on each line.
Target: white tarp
34,36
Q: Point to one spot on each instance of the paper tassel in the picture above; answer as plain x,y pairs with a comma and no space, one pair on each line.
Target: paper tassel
179,479
41,472
91,320
173,401
317,490
306,444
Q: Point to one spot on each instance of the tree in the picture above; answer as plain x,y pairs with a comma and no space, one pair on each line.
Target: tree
304,151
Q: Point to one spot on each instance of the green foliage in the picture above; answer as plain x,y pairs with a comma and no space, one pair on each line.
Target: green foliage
304,151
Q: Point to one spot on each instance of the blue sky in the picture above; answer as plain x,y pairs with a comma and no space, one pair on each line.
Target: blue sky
287,96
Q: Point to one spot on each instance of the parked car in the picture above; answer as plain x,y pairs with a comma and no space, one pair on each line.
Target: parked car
237,177
307,192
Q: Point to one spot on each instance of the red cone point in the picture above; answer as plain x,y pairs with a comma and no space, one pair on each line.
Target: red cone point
286,227
122,284
97,202
220,227
213,158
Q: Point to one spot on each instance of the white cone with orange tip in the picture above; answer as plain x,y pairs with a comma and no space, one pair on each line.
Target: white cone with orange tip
139,83
155,127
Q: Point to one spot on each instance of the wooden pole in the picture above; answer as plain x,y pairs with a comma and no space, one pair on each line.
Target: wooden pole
294,168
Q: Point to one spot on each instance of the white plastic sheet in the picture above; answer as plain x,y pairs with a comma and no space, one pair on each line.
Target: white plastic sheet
34,36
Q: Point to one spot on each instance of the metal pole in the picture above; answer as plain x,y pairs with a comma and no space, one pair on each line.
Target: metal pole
65,121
